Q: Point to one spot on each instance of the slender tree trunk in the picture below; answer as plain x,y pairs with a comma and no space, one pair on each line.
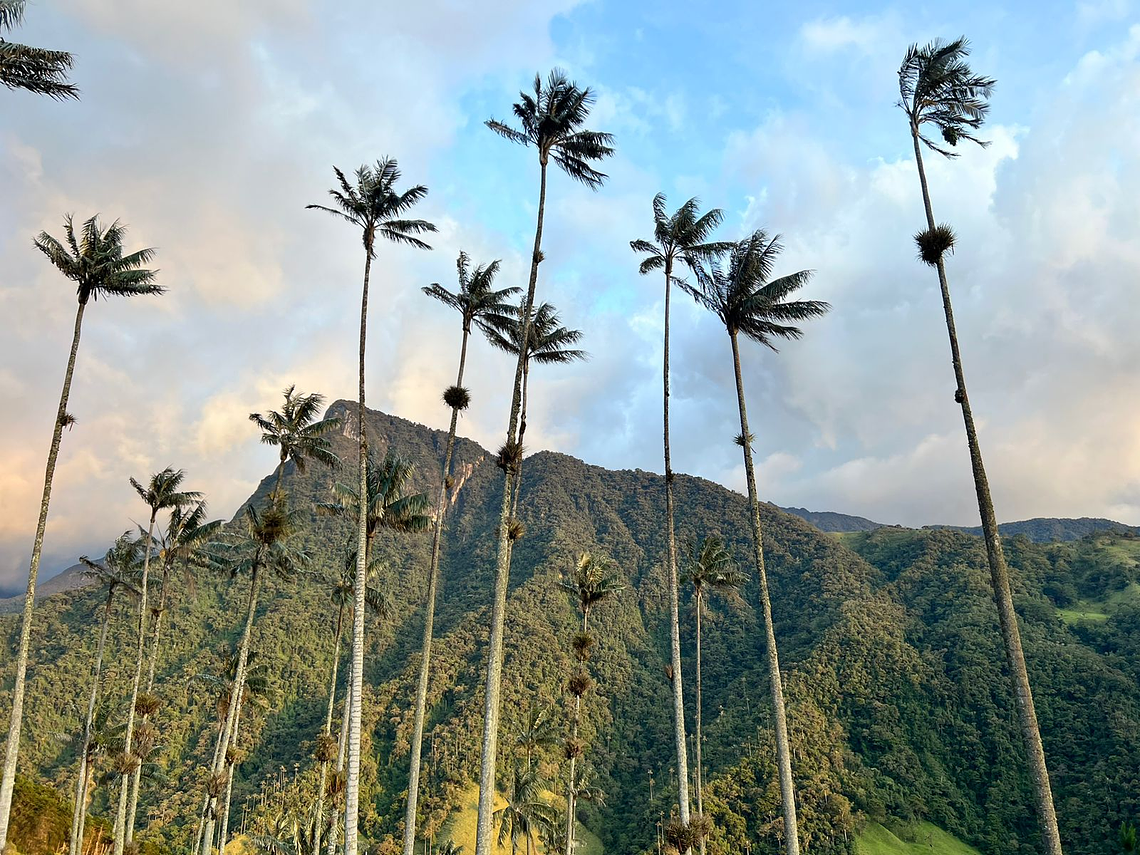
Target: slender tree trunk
236,692
342,745
225,829
700,780
352,785
124,830
429,621
572,786
327,731
483,832
12,749
999,572
87,788
76,844
517,488
674,605
779,715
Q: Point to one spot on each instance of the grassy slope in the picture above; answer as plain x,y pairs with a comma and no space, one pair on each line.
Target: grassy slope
461,828
917,839
1099,610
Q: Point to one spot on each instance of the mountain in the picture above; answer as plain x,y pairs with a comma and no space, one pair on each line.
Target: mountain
1049,529
66,580
830,521
899,710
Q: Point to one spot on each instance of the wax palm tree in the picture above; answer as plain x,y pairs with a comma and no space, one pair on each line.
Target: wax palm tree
747,300
678,239
296,433
374,206
593,581
537,731
32,69
549,343
341,590
478,302
160,493
450,848
937,87
119,570
93,259
259,545
552,121
390,506
709,569
526,814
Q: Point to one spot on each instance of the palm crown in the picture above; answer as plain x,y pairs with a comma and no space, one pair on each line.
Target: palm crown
388,506
476,300
32,69
261,543
120,567
591,581
186,533
342,586
295,429
936,85
551,121
375,206
745,298
550,343
93,259
710,566
162,492
683,237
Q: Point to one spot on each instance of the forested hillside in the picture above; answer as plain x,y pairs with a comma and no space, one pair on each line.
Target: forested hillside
898,703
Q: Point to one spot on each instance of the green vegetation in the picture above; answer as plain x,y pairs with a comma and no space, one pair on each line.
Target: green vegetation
920,838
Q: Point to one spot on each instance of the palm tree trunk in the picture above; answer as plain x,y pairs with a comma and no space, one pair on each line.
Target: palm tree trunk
483,832
571,790
429,621
352,785
697,749
517,488
225,829
340,760
999,572
75,846
328,730
12,749
779,715
674,605
124,829
87,788
236,692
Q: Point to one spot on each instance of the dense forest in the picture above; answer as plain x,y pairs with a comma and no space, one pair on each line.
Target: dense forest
899,708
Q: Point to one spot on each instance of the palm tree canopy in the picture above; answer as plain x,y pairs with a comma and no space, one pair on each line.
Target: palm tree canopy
937,86
476,300
710,566
388,505
259,541
681,236
342,585
551,120
373,204
592,581
32,69
450,848
525,812
121,567
162,492
186,533
745,297
537,729
550,343
295,429
93,259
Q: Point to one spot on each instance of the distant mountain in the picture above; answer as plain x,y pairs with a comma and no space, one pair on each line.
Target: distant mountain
831,521
68,580
1048,529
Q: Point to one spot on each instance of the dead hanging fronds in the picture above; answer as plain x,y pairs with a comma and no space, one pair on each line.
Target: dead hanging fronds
516,529
573,748
216,784
147,705
336,784
740,440
686,837
457,398
510,455
449,483
579,683
67,420
234,755
583,645
700,827
325,752
934,243
125,763
146,737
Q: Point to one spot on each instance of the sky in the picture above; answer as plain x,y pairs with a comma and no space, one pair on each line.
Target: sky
207,127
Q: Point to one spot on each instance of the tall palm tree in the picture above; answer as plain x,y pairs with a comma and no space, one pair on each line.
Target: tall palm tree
678,239
261,545
340,589
93,259
526,814
296,433
710,568
32,69
161,493
477,302
186,533
119,569
375,207
747,300
552,121
548,343
937,87
536,731
593,581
